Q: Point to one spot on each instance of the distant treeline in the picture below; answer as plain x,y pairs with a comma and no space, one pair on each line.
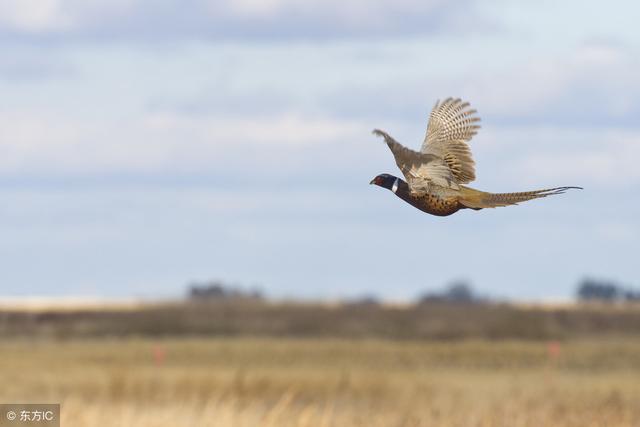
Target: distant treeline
456,312
605,291
429,320
458,292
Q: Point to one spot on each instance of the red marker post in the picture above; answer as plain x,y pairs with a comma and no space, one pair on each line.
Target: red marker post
158,355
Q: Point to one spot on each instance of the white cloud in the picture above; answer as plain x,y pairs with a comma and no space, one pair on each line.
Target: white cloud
39,143
33,16
230,19
288,129
602,158
618,231
254,8
593,83
359,13
590,85
611,164
64,16
291,19
41,16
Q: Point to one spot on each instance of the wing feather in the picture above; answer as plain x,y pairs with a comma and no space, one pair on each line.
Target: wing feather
424,172
451,124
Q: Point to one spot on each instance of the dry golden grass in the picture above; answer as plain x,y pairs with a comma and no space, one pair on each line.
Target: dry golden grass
324,382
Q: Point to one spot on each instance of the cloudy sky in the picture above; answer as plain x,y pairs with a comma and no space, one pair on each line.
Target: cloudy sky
145,144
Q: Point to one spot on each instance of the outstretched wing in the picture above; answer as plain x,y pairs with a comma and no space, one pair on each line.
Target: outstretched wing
424,172
451,124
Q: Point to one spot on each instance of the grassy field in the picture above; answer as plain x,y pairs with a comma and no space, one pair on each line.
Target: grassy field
326,382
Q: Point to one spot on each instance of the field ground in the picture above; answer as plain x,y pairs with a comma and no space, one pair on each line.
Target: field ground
172,382
231,318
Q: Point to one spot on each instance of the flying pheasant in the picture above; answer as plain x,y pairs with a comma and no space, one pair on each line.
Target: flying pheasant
434,175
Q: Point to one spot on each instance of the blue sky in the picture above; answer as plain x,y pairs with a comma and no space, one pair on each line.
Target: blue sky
145,144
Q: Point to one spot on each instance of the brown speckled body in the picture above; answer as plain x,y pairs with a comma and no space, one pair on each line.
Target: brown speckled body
429,203
435,205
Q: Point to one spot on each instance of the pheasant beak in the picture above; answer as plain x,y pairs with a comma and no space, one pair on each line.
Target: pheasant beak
377,180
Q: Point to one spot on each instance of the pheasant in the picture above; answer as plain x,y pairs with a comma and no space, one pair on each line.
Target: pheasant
435,175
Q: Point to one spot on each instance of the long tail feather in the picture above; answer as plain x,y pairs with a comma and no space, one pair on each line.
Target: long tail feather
476,199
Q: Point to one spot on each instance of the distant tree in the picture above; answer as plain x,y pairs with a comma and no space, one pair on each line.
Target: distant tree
217,290
207,290
459,292
632,295
600,290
